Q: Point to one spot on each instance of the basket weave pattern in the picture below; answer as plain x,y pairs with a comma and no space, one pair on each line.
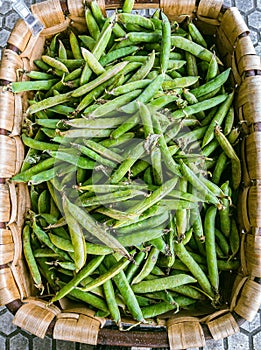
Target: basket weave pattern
79,324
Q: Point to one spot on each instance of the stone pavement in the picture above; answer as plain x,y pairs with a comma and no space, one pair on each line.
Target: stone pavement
13,338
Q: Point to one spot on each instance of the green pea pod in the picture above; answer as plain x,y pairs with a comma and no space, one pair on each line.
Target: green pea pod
95,229
30,259
125,291
209,230
98,81
166,43
86,271
77,238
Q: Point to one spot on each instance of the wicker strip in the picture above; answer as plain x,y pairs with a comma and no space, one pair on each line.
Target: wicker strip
236,72
207,26
18,113
20,35
237,287
8,287
178,10
35,318
209,8
253,147
60,27
75,327
244,47
245,171
5,209
249,62
7,106
76,8
243,254
16,235
24,203
85,311
7,156
224,46
185,334
78,23
233,24
13,202
5,236
23,280
49,12
253,252
254,205
9,65
19,153
249,300
247,99
252,109
223,326
33,51
6,253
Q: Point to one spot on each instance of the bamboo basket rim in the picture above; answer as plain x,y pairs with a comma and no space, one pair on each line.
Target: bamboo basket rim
142,336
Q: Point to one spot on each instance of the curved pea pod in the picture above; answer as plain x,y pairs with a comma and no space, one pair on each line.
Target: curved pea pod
92,226
160,308
211,85
181,214
110,298
125,291
212,70
196,35
86,271
43,237
132,268
30,259
179,82
117,53
162,283
234,238
98,81
128,18
54,63
103,39
92,61
26,175
140,237
129,86
194,268
148,266
222,242
115,104
145,69
137,37
44,202
147,94
220,166
230,152
200,106
87,41
77,238
166,42
20,86
61,242
218,117
198,184
224,214
211,255
49,102
92,25
194,48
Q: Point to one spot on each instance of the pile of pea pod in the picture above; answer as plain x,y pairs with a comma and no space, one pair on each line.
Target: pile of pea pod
132,167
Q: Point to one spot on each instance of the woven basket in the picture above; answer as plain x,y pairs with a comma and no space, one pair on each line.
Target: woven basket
78,323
